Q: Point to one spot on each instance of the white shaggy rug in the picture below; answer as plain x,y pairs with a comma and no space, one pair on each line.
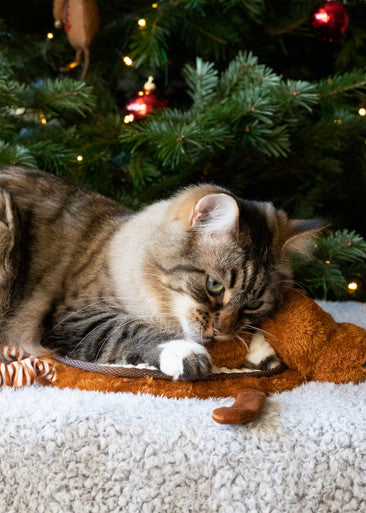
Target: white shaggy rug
67,451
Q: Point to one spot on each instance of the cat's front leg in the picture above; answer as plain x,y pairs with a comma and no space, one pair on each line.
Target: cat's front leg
98,334
177,357
261,355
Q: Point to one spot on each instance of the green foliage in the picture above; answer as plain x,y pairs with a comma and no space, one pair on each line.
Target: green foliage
202,83
25,140
339,258
246,106
60,96
14,154
11,92
142,170
256,102
342,84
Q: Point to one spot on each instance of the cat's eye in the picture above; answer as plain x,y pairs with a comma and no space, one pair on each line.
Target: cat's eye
253,305
213,286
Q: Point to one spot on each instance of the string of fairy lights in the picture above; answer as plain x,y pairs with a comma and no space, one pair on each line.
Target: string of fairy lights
141,107
138,107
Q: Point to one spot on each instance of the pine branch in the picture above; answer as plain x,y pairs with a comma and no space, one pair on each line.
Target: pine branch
272,141
297,93
16,155
142,170
11,92
52,155
293,25
341,84
149,44
65,95
245,106
336,259
202,83
171,142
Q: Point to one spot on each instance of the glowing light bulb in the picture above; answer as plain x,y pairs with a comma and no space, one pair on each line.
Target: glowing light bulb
129,118
362,111
141,93
50,35
154,6
44,121
142,22
327,261
128,61
352,286
322,16
79,158
139,106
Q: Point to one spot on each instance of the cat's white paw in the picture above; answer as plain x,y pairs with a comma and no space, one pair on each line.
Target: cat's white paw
261,355
185,360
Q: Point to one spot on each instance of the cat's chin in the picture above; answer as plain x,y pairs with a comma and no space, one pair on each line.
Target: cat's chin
206,339
222,337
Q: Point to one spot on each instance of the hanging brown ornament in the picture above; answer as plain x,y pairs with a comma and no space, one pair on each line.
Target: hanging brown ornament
80,19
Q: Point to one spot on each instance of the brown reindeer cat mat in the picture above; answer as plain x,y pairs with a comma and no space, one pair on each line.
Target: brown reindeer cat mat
311,345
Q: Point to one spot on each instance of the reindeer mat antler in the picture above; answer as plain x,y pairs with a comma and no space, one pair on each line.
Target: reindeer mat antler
311,345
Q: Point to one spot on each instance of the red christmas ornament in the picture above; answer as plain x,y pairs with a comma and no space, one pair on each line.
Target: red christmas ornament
330,20
144,103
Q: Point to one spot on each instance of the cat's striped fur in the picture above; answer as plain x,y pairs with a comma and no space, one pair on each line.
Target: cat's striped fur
82,276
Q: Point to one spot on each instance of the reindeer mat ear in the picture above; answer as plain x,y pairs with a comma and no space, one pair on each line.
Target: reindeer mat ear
311,345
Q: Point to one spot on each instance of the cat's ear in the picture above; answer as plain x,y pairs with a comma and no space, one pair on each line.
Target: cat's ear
215,213
302,233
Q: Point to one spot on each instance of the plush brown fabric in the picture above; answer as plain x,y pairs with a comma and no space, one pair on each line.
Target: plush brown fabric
247,407
307,339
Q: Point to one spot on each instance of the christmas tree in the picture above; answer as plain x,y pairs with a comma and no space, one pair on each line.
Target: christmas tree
266,98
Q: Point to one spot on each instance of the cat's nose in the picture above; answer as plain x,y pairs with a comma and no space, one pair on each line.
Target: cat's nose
225,323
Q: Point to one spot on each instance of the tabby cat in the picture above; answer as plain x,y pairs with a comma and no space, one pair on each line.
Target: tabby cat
82,276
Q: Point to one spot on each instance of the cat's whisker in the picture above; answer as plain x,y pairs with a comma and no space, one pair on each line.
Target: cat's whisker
262,331
166,313
301,286
101,347
82,340
78,311
242,340
294,282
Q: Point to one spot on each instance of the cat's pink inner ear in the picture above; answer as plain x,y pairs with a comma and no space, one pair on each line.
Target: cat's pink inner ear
215,213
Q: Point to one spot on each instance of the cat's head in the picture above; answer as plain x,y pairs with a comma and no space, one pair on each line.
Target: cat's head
222,262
